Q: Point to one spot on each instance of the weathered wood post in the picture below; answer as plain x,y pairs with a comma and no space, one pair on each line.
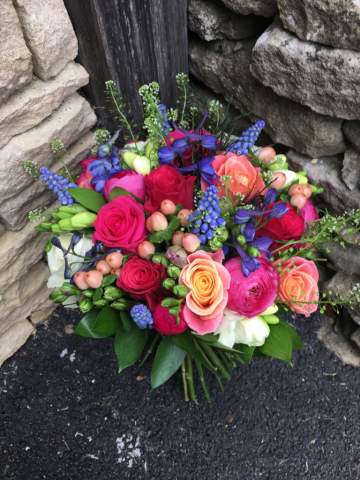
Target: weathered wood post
131,42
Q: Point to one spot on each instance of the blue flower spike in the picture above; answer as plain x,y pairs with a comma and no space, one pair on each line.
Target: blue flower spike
247,139
141,316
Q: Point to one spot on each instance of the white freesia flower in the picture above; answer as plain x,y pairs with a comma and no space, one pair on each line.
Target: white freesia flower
235,328
271,310
140,145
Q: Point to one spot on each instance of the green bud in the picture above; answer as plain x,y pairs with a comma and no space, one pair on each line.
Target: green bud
56,216
108,280
175,310
47,225
54,295
101,303
230,225
65,225
270,319
129,158
215,244
241,240
56,228
253,252
89,292
123,304
62,215
181,290
157,258
236,230
174,271
82,220
49,245
85,305
77,208
168,283
224,235
114,293
170,302
60,298
68,288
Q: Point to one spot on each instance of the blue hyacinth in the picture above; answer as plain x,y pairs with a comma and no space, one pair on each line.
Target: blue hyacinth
141,316
163,121
206,217
247,139
58,184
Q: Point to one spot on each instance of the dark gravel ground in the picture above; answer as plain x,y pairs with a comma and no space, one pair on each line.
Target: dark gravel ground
71,416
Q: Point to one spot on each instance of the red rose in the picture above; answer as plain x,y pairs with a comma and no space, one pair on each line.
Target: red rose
165,323
166,183
139,277
121,223
84,179
289,227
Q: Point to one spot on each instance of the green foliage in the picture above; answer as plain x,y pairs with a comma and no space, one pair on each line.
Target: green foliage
278,344
122,192
159,237
167,360
107,322
129,343
85,326
90,199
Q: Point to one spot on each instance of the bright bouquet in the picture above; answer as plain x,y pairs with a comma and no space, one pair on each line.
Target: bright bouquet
193,242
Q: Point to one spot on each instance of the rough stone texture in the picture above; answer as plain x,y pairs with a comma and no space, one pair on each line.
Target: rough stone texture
323,78
345,259
351,168
14,211
332,22
351,130
342,283
212,21
15,58
325,172
48,33
43,310
2,230
29,106
68,123
13,338
225,69
265,8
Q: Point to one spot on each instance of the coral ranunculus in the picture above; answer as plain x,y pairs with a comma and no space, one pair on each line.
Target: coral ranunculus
121,223
165,323
299,280
245,178
84,179
131,181
208,281
251,296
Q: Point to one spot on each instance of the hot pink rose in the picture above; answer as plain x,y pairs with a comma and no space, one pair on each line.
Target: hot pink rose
308,212
165,323
298,279
251,296
208,281
121,223
131,181
84,179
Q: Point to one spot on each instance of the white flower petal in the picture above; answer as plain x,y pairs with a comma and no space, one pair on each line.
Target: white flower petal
227,338
251,331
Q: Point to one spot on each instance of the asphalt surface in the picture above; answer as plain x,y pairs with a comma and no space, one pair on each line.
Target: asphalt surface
65,413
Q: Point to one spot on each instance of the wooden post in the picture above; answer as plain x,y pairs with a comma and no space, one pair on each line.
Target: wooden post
131,42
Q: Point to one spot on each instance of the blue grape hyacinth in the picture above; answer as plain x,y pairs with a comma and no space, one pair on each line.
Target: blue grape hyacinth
58,184
141,316
247,139
163,122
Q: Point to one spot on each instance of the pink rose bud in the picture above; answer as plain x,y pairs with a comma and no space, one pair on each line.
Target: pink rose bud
279,180
103,267
93,278
167,207
145,248
79,279
298,200
183,214
266,155
149,226
114,259
177,256
176,238
158,221
190,242
116,271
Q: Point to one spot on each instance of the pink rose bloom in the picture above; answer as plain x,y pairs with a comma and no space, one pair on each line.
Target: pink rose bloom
300,278
121,223
131,181
208,281
165,323
251,296
84,179
308,212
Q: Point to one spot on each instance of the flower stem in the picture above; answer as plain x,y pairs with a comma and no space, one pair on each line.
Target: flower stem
183,374
190,378
220,383
150,349
215,360
202,379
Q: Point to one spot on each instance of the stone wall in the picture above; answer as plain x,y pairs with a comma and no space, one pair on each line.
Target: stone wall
38,104
296,65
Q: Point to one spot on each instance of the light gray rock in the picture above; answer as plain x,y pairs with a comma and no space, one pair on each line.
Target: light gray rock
48,33
13,338
15,58
226,69
332,22
351,130
265,8
325,172
323,78
71,120
351,168
2,230
27,107
345,259
15,210
211,20
342,283
42,311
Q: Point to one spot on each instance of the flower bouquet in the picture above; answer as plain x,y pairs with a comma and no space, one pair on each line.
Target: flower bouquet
192,242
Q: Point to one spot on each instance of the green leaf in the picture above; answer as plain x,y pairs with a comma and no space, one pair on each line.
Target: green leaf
202,379
107,322
258,354
167,360
208,337
281,310
246,351
224,347
285,198
98,294
39,228
108,280
129,344
122,192
85,326
88,198
278,344
174,224
178,208
126,320
158,237
295,339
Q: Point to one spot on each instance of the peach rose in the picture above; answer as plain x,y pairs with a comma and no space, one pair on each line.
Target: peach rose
245,178
298,279
208,281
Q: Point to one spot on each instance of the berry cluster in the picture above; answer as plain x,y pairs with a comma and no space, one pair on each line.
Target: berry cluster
163,123
206,217
247,139
58,184
141,316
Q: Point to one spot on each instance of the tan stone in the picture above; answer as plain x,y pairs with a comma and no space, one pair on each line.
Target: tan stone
29,106
265,8
15,210
71,120
13,338
48,33
43,311
2,230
